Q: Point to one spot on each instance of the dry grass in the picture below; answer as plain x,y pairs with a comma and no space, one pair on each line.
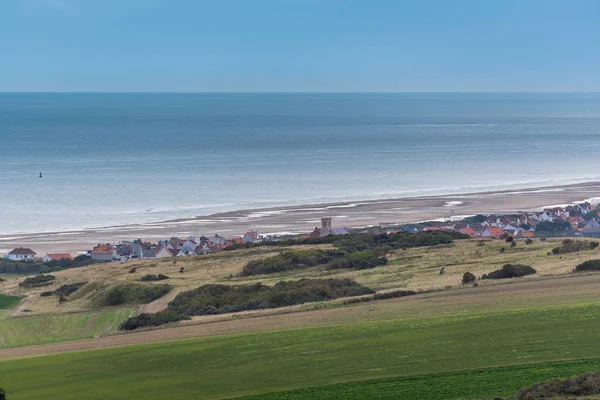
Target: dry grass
416,269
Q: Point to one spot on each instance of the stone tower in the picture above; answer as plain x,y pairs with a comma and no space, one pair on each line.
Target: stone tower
325,226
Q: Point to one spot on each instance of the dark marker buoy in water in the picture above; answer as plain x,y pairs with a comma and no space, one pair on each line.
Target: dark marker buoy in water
40,174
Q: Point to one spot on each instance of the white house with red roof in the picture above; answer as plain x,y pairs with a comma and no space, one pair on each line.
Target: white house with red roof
251,237
56,257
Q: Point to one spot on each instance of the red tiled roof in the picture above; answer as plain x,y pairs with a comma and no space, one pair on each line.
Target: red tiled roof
433,228
103,248
58,256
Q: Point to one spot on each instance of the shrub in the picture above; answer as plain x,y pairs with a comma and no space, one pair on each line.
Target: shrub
509,239
468,278
133,294
528,241
220,299
510,271
553,227
582,385
153,278
513,244
358,260
147,320
46,294
590,265
543,239
2,394
38,280
502,249
574,246
66,290
133,270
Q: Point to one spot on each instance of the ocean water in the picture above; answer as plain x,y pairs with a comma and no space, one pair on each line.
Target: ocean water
112,159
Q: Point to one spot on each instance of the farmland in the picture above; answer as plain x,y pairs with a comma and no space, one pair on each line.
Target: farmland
452,341
463,335
40,329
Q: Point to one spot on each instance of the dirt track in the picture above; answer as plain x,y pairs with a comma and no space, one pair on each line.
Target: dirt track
515,295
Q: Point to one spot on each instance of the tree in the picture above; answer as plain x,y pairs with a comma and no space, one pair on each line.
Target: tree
527,227
468,278
2,394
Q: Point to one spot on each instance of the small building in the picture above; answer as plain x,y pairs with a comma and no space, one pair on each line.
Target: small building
104,252
251,237
592,228
163,252
492,233
339,231
21,254
218,240
56,257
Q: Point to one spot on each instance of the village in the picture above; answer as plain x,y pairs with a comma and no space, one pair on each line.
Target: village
572,220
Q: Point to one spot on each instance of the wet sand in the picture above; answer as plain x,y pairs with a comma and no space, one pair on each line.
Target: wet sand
304,218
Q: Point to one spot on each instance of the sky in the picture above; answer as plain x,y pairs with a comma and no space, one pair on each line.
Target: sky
299,45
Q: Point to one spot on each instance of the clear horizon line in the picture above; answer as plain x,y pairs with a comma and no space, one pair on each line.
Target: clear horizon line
299,92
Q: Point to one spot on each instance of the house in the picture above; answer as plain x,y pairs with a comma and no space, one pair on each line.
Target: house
468,231
163,252
251,237
238,240
592,228
219,240
432,228
148,253
177,253
21,254
56,257
492,233
104,252
411,229
188,246
316,233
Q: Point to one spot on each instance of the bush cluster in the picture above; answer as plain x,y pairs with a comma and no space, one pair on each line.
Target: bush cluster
147,320
66,290
381,296
356,251
219,299
153,278
510,271
134,294
574,246
468,278
38,280
553,227
581,385
35,267
590,265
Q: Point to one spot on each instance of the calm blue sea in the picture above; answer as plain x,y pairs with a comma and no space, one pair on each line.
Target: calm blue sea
111,159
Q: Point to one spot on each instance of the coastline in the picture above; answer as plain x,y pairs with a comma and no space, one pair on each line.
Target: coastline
303,218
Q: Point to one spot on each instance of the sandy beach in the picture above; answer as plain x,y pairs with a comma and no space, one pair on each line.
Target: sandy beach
304,218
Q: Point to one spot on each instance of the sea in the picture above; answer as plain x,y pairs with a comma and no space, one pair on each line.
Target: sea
117,159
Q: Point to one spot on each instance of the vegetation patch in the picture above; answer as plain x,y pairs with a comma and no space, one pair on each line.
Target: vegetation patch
581,385
574,246
220,299
510,271
153,278
357,251
8,301
66,290
38,280
36,267
148,320
590,265
132,293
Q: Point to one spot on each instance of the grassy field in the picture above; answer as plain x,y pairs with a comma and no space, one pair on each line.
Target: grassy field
8,301
253,363
470,384
34,330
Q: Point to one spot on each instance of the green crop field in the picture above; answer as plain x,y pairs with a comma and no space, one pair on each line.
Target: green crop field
255,363
8,301
474,384
40,329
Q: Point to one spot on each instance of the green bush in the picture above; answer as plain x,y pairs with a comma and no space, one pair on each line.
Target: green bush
153,278
134,294
46,294
590,265
148,320
510,271
220,299
553,227
468,278
290,260
574,246
38,280
66,290
581,385
2,394
358,260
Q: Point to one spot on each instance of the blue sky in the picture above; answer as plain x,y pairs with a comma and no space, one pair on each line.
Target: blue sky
299,45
